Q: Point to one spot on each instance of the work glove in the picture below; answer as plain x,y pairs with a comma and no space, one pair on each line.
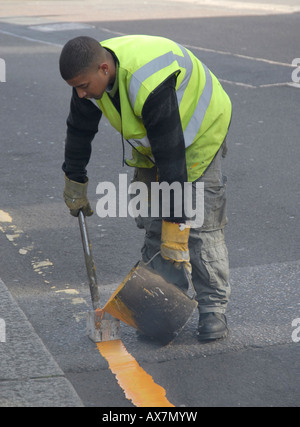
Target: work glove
75,197
174,244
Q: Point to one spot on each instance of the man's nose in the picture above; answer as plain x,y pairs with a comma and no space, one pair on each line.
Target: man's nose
81,93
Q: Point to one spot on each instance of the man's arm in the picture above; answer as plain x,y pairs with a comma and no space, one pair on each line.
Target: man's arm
82,125
163,124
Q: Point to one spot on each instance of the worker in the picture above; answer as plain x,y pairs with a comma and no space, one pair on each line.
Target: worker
175,114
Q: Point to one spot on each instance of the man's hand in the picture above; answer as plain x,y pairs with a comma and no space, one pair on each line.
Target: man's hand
174,244
75,197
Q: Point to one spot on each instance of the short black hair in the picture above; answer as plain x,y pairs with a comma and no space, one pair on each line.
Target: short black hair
78,55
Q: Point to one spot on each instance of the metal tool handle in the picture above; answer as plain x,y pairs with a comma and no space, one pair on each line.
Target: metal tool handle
89,261
189,280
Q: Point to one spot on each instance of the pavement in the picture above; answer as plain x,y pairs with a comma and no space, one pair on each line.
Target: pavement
29,375
260,358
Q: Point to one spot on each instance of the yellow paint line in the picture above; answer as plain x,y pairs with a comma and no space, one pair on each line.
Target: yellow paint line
41,264
12,237
5,217
68,291
138,386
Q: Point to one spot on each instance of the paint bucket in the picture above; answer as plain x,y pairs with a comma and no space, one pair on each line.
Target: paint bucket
147,302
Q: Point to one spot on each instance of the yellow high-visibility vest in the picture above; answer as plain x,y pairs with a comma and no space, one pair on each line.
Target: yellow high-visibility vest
145,62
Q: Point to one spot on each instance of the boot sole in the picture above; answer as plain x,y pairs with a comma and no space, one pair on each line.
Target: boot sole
212,336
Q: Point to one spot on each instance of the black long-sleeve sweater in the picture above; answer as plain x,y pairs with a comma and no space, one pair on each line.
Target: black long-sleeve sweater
163,125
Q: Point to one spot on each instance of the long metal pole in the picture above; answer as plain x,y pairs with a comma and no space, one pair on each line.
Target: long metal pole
89,261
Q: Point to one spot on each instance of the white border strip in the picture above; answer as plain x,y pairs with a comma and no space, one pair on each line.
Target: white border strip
220,52
8,33
250,58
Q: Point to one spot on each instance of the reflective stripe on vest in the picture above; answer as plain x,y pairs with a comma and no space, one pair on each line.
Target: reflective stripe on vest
197,118
185,62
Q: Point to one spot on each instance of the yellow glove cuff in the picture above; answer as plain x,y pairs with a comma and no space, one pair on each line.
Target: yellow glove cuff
174,243
173,232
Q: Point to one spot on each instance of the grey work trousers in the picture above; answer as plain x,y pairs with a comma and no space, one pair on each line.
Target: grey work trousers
208,251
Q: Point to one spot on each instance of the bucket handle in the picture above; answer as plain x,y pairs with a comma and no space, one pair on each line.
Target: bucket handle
187,274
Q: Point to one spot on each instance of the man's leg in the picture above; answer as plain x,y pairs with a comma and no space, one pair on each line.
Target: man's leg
210,273
208,252
209,256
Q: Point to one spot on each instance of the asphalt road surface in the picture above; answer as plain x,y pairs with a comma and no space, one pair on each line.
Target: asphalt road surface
251,52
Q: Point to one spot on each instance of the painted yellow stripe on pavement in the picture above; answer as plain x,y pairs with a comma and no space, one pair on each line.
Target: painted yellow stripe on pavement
5,217
138,386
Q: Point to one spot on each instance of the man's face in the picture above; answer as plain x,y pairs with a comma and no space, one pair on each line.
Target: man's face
90,84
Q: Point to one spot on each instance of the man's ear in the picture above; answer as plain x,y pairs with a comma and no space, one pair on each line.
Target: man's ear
103,68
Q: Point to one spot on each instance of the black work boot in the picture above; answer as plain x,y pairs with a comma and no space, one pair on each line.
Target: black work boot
212,326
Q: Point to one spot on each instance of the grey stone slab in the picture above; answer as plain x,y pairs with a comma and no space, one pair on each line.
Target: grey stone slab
29,375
